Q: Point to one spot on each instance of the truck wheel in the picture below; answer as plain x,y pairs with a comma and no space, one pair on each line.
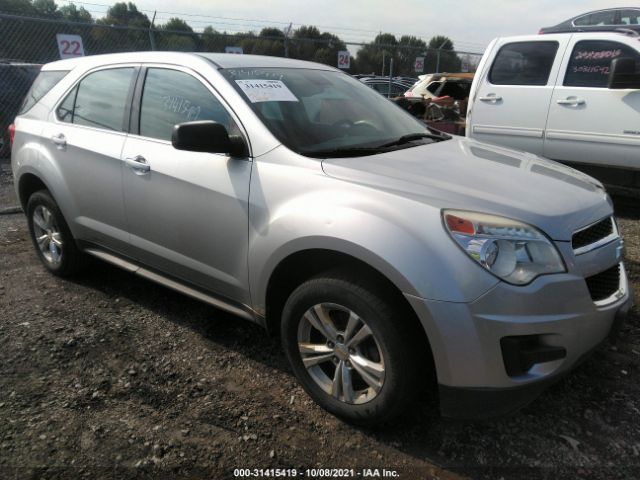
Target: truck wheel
347,347
51,236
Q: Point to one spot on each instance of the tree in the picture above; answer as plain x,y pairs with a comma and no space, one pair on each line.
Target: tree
125,14
169,39
71,13
17,7
443,47
270,42
309,44
120,39
409,47
213,41
375,56
46,8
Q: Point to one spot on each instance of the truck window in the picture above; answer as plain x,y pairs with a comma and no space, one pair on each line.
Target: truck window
523,63
590,62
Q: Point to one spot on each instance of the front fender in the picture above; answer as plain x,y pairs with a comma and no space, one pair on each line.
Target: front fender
400,237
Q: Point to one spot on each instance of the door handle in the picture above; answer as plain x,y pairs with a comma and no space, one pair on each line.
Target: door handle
490,98
59,140
138,164
574,101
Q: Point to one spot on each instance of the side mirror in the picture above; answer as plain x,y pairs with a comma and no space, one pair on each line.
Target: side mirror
624,74
207,136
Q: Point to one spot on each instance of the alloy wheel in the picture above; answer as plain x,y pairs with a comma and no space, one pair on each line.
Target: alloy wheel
340,353
47,235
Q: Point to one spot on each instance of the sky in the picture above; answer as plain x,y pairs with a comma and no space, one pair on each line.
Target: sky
471,24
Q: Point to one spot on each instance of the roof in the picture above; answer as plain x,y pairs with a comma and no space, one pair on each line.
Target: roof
586,35
220,60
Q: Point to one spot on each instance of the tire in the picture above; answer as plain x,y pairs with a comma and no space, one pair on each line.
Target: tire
386,355
58,251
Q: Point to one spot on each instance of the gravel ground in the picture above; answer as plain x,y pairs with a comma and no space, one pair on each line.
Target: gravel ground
111,376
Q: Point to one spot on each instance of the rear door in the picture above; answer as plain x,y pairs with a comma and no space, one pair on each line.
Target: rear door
187,211
511,104
85,137
589,123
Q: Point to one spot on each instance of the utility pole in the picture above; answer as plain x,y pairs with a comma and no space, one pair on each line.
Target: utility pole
438,57
151,39
390,75
287,32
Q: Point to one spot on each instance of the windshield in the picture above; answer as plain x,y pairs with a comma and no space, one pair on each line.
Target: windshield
318,112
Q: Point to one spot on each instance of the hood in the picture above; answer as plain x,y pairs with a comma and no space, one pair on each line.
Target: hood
468,175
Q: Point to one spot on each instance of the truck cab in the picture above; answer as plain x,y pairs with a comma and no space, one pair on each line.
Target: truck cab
557,95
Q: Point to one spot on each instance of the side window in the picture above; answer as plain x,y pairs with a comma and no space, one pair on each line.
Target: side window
590,62
629,17
523,63
595,19
99,100
171,97
43,83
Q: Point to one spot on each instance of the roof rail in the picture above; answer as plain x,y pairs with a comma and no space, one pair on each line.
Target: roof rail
628,31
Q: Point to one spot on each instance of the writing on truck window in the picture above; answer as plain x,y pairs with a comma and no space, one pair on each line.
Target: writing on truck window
590,62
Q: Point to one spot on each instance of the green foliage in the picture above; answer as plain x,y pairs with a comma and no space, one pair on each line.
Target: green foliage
449,60
125,28
168,39
18,7
71,13
125,14
308,43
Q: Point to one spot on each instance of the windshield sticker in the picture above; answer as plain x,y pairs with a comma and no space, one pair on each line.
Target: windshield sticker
266,91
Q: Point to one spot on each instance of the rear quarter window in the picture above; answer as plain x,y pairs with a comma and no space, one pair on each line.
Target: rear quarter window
43,83
523,63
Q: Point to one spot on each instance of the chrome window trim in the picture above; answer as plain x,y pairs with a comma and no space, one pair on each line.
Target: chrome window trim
614,235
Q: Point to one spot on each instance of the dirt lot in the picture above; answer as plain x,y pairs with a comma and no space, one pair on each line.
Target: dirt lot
111,376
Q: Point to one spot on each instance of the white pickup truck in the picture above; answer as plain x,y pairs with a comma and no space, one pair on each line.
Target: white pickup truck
572,97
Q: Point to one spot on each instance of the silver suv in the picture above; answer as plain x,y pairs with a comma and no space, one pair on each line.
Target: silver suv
290,194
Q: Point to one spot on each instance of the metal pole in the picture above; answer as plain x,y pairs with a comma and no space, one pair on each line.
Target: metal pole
151,39
390,75
438,57
287,32
382,74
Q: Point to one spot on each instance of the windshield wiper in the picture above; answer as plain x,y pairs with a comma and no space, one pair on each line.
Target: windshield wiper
343,152
410,137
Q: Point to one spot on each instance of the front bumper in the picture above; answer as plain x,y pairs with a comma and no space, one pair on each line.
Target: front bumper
465,338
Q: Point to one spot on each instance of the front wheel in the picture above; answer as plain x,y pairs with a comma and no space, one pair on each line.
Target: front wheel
347,347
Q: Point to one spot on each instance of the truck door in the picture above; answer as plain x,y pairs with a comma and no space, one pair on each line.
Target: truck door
588,122
511,102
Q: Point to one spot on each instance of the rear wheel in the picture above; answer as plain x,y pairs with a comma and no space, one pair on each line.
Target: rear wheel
51,236
346,346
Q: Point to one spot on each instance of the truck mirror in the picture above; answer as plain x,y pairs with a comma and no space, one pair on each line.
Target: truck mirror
624,74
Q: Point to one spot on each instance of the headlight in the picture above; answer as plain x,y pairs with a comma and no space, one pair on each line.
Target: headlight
511,250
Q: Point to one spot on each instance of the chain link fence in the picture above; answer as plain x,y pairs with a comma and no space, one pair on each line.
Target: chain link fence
34,40
29,42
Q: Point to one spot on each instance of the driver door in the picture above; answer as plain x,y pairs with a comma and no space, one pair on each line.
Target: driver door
186,211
